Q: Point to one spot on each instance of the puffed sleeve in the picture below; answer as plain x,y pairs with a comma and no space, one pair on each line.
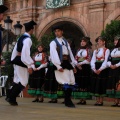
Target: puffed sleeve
38,58
93,60
108,63
74,62
87,61
54,55
118,64
104,64
42,66
25,54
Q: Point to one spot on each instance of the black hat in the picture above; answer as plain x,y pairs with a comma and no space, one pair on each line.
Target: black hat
57,27
33,23
30,25
3,8
103,38
87,39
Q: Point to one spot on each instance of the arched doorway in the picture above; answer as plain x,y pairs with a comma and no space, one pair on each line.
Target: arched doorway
71,31
118,18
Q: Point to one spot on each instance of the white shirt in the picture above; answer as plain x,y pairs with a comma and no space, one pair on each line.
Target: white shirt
115,54
54,54
25,53
82,54
39,57
64,48
100,54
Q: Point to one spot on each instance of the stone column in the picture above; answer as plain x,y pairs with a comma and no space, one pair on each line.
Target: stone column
96,18
25,3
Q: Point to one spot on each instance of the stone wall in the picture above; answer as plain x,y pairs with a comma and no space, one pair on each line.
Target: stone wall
90,15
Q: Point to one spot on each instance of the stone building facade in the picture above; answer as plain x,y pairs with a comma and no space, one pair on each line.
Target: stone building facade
81,18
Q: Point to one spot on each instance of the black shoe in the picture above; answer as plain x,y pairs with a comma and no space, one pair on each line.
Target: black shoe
83,103
79,103
7,99
114,105
50,101
63,102
13,103
100,104
41,100
36,100
96,104
70,105
118,105
54,101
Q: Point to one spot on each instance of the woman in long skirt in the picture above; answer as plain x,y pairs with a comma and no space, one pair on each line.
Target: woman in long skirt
113,88
38,77
51,85
100,71
82,77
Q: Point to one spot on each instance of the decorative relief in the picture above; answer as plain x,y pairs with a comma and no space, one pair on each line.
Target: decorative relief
57,3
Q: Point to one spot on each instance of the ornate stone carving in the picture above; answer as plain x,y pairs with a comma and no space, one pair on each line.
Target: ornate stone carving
57,3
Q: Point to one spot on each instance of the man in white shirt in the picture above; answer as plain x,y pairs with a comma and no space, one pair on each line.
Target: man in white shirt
22,63
62,57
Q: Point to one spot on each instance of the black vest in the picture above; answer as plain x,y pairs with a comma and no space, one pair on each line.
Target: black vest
17,59
20,42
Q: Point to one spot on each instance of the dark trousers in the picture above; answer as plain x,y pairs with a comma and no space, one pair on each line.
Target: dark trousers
15,91
68,101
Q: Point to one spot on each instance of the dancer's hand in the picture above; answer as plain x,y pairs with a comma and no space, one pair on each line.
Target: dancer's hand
95,71
98,72
79,66
75,70
38,68
35,69
113,66
30,70
61,70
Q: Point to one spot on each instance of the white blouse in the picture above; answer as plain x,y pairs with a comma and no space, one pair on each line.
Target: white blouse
115,54
99,54
54,54
82,54
39,57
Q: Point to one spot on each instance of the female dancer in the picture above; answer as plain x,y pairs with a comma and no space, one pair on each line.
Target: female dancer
113,88
100,71
38,76
82,76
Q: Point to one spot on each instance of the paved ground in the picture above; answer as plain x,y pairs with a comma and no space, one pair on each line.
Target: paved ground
48,111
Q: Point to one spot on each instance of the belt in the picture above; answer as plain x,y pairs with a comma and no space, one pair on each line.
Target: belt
100,61
115,58
65,57
18,54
